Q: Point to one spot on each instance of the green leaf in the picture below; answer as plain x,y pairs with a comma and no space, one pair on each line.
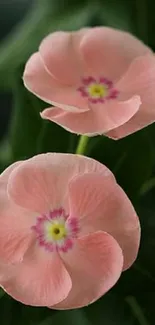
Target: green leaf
131,159
146,260
6,310
2,293
140,278
111,310
73,317
118,14
26,123
146,301
53,138
30,134
42,20
13,312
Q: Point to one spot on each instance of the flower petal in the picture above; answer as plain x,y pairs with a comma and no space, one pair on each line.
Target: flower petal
109,52
99,120
100,204
15,224
62,61
46,87
140,80
40,183
94,264
40,280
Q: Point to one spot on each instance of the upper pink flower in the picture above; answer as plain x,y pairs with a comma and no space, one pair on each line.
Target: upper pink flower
67,230
100,80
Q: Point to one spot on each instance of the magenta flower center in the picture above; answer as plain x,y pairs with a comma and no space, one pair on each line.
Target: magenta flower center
98,91
55,231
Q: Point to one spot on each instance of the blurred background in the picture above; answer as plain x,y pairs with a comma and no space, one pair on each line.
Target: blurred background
23,24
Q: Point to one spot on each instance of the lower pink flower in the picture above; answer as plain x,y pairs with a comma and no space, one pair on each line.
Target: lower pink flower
67,231
54,232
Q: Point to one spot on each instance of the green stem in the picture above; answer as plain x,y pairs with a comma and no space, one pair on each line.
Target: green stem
137,311
82,145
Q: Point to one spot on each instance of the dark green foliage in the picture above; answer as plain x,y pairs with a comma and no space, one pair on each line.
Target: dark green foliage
131,159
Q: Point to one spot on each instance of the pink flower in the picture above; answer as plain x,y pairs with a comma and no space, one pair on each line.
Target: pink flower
67,230
100,81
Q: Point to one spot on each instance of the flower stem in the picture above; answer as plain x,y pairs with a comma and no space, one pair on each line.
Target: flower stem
137,311
82,145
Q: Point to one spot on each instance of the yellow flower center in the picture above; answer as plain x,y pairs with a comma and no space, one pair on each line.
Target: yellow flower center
56,231
97,90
